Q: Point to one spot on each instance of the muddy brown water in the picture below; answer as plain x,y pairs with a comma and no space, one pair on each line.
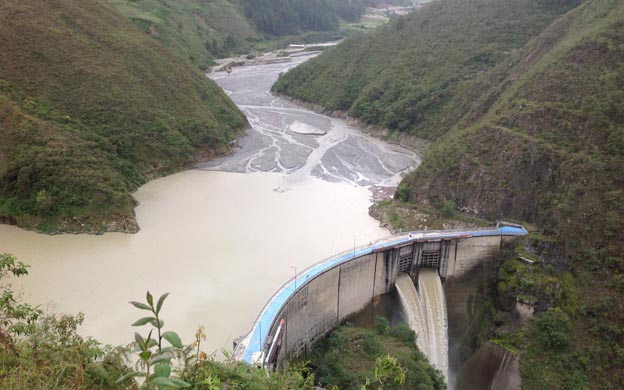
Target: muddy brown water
223,238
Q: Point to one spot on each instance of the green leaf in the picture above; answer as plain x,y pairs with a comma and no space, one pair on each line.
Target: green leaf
129,375
161,300
160,358
140,340
179,382
140,305
173,339
143,321
150,299
151,343
160,381
162,370
160,324
145,355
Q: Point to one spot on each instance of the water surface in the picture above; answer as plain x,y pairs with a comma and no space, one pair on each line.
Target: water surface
221,238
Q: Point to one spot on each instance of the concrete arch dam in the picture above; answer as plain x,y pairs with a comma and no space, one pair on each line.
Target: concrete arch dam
326,294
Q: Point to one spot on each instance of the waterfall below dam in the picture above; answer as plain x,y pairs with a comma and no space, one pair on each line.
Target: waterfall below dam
425,310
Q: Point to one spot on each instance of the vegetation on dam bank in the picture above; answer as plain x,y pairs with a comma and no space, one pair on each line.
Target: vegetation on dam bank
382,357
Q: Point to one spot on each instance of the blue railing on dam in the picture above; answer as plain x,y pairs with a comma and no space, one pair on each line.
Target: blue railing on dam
256,339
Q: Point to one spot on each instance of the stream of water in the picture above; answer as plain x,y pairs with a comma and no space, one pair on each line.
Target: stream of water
426,315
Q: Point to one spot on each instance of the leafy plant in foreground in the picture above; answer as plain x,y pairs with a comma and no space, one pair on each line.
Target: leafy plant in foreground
155,358
41,351
15,316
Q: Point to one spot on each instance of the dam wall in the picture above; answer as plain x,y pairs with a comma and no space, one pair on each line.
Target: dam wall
329,299
466,255
326,294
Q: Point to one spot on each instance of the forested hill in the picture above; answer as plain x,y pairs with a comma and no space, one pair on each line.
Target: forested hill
526,110
201,30
90,108
280,17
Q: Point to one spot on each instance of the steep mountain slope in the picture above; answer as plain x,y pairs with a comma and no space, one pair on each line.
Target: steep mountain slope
530,129
199,30
550,150
552,117
404,75
91,108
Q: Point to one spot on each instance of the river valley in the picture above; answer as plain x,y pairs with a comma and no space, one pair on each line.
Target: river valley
221,238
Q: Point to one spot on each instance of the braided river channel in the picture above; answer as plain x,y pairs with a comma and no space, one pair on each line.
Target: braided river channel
222,237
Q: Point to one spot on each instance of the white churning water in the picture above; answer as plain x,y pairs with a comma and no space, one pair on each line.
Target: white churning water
426,312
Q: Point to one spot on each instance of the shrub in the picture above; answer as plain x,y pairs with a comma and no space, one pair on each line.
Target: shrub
553,328
382,325
404,333
403,193
449,208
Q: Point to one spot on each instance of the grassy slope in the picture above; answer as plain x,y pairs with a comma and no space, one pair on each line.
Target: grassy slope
536,136
188,25
404,75
91,108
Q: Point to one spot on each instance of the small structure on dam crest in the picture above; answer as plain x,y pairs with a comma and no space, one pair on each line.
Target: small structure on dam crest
307,307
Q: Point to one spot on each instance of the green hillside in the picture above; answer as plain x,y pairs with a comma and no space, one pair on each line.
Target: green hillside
404,75
527,115
549,149
91,108
199,30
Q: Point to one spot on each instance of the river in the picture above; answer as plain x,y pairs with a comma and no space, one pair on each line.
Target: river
221,238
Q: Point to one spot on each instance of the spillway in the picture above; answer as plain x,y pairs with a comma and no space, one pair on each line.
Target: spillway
426,315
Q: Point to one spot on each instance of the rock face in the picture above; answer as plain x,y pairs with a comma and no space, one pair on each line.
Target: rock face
522,311
491,367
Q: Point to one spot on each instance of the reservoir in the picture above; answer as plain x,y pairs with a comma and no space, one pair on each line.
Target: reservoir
223,237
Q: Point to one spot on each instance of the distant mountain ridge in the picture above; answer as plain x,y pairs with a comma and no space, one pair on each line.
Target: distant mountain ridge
91,108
